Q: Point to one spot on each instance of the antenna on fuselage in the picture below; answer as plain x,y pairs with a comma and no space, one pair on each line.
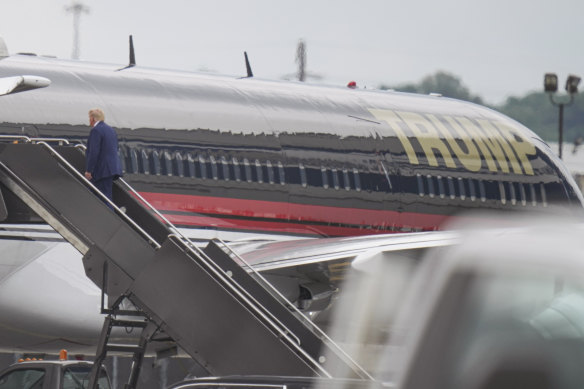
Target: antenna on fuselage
247,66
132,55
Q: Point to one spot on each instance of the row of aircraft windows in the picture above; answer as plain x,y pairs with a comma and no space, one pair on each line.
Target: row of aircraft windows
142,161
210,167
513,193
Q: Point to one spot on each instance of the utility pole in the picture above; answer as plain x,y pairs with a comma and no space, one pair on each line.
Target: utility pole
301,60
76,8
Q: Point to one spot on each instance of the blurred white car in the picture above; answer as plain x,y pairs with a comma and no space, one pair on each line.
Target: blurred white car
502,308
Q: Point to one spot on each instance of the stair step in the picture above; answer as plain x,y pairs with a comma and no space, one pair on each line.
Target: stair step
128,323
126,348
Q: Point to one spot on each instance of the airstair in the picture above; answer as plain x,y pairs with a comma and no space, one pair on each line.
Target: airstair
229,321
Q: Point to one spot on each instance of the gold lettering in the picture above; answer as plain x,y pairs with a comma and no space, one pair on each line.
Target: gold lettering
499,144
470,159
490,148
428,137
522,147
491,129
395,123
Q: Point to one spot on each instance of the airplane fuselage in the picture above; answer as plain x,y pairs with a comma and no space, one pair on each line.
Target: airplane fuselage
254,156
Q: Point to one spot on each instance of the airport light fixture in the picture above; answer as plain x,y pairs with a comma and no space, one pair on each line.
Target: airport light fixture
550,84
572,84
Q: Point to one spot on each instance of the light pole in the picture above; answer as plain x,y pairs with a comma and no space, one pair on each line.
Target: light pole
550,84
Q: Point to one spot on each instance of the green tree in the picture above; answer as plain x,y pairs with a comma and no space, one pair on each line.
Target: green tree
534,110
442,82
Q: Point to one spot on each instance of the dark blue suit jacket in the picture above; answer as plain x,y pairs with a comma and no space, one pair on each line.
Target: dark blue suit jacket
101,157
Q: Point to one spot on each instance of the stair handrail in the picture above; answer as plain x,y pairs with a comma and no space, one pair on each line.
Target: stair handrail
140,197
16,137
177,234
306,320
28,139
61,141
197,251
287,333
218,270
101,196
267,283
254,304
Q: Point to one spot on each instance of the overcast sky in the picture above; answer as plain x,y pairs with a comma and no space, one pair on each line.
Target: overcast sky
498,48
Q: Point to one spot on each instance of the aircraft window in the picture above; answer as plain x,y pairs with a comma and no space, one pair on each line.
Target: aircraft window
302,175
482,191
375,180
420,185
281,173
522,195
214,170
166,163
325,183
346,182
179,166
224,168
203,167
123,156
440,181
258,168
335,178
492,190
155,163
133,161
313,177
270,169
512,193
236,170
371,181
190,165
430,182
357,180
292,174
145,162
543,195
472,190
451,190
532,195
461,188
502,193
247,169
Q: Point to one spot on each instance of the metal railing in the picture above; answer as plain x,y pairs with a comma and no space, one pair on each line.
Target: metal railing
252,303
15,137
236,288
27,139
102,197
306,320
241,292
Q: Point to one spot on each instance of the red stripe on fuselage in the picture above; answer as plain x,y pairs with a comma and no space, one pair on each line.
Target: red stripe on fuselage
287,217
267,227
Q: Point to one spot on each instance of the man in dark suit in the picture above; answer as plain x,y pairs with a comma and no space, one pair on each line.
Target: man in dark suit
102,163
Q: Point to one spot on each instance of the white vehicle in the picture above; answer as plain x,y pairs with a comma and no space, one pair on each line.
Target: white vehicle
504,307
51,374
